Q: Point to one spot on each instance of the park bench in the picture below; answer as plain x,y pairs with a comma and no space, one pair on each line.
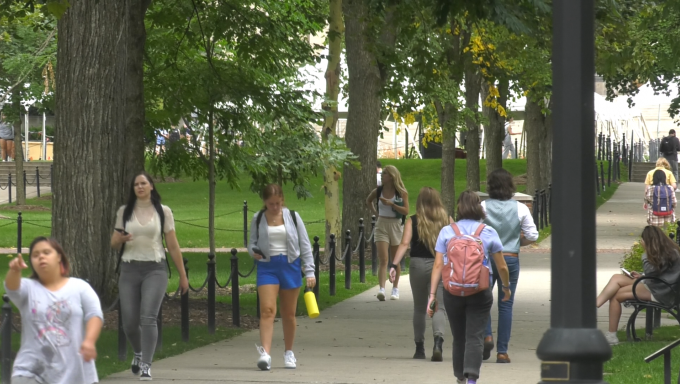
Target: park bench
653,310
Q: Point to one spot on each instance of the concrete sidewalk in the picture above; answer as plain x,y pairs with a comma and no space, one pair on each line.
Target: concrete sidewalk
31,192
362,340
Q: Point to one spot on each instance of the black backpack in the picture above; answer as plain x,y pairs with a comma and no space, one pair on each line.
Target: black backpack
666,146
258,220
378,193
174,136
161,214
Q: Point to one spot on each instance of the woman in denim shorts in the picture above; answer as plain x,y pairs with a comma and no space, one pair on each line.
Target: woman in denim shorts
282,246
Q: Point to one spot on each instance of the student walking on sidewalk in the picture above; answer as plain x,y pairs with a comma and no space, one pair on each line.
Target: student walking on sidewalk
515,226
280,244
140,227
392,208
468,314
420,233
61,319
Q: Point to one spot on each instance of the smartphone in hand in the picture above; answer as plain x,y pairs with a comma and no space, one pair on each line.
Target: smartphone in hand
625,272
121,231
259,252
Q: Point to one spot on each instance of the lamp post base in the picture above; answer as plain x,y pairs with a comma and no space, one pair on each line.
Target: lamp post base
573,355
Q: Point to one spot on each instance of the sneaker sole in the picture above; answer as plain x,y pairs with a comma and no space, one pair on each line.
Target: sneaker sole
145,379
381,296
291,367
263,365
394,297
437,356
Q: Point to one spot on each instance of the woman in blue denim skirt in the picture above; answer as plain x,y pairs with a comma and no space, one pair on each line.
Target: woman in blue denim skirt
511,219
280,244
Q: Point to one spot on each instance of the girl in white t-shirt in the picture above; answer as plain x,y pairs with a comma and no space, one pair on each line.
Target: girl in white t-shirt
61,319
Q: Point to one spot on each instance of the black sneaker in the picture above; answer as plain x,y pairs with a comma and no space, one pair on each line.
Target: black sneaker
146,372
136,361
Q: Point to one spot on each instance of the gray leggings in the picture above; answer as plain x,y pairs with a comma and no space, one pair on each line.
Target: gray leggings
142,286
420,273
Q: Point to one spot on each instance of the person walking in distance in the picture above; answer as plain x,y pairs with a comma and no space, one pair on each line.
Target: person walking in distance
660,201
508,147
462,256
515,226
661,165
378,166
141,225
61,319
6,139
392,208
669,147
280,244
420,234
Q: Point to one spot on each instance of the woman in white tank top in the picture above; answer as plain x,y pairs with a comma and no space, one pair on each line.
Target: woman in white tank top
392,206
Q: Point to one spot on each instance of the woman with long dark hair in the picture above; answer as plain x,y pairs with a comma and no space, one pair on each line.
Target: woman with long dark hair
141,226
468,314
660,259
515,226
61,319
280,244
420,234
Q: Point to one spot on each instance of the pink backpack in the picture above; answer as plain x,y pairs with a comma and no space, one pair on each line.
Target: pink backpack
466,267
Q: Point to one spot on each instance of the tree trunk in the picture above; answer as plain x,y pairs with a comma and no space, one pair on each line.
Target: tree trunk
18,150
363,121
546,151
331,176
134,85
472,89
90,176
445,115
495,130
533,127
211,181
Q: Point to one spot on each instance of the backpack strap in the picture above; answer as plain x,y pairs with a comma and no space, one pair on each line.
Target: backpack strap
292,213
378,193
258,220
161,214
456,229
479,230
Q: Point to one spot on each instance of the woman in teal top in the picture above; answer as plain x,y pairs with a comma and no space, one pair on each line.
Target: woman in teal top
511,219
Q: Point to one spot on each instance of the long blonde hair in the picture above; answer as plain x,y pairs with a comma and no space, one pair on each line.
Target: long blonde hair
663,163
396,179
432,216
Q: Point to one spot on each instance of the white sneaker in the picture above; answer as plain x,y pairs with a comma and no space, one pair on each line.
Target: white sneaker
289,360
265,361
395,294
611,337
381,294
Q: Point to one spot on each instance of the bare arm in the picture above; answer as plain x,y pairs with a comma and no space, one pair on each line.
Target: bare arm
93,329
370,199
176,254
13,278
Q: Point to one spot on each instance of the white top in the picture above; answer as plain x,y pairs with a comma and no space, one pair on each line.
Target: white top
528,227
386,210
278,244
52,331
145,227
379,178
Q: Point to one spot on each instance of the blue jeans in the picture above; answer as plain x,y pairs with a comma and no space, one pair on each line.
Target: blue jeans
504,307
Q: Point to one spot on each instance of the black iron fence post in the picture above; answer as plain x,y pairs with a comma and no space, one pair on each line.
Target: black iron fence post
597,180
212,276
348,260
235,299
609,173
362,252
6,346
9,187
37,180
51,173
544,209
331,267
516,149
374,250
20,221
317,262
549,204
185,307
536,208
604,188
122,341
630,165
541,209
25,183
245,223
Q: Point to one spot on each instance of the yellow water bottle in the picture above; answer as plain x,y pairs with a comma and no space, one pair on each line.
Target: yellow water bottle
310,301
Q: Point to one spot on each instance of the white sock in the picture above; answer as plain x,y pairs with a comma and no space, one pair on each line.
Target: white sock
382,289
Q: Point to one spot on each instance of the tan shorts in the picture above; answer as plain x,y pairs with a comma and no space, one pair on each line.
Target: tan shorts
388,230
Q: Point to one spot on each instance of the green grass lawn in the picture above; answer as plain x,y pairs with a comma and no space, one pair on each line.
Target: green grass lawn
627,365
189,202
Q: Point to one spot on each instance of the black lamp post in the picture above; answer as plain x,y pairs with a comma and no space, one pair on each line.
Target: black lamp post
573,350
